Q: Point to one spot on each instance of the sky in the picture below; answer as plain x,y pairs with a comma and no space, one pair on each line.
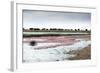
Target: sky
53,19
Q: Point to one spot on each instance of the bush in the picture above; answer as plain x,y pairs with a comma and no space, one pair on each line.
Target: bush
32,43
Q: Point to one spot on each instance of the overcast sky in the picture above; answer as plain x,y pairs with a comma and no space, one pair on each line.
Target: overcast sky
50,19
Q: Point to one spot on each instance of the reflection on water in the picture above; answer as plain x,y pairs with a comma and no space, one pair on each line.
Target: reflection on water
54,33
58,53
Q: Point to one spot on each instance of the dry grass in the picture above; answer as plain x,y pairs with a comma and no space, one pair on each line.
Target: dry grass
81,54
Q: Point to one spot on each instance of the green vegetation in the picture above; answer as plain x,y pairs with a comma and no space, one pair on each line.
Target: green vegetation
36,32
54,30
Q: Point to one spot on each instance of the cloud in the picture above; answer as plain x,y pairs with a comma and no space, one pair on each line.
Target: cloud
50,19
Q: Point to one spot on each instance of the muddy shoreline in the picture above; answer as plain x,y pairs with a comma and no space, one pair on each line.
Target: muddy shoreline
83,54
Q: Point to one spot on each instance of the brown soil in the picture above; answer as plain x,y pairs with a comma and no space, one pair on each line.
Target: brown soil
81,54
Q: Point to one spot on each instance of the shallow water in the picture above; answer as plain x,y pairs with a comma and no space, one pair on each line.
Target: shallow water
35,33
52,54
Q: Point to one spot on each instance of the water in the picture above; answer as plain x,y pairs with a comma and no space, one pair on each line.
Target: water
39,33
59,53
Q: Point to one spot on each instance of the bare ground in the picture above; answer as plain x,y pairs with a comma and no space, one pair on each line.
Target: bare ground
81,54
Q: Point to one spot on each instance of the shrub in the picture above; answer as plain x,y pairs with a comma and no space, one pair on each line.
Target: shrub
32,43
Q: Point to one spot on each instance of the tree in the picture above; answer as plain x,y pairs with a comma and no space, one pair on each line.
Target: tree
75,29
43,29
51,29
78,29
36,29
71,29
31,28
86,29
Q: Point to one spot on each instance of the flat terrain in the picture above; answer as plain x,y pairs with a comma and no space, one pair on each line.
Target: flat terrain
81,54
54,41
57,48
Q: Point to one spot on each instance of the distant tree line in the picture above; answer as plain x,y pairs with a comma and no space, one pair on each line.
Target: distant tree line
54,29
